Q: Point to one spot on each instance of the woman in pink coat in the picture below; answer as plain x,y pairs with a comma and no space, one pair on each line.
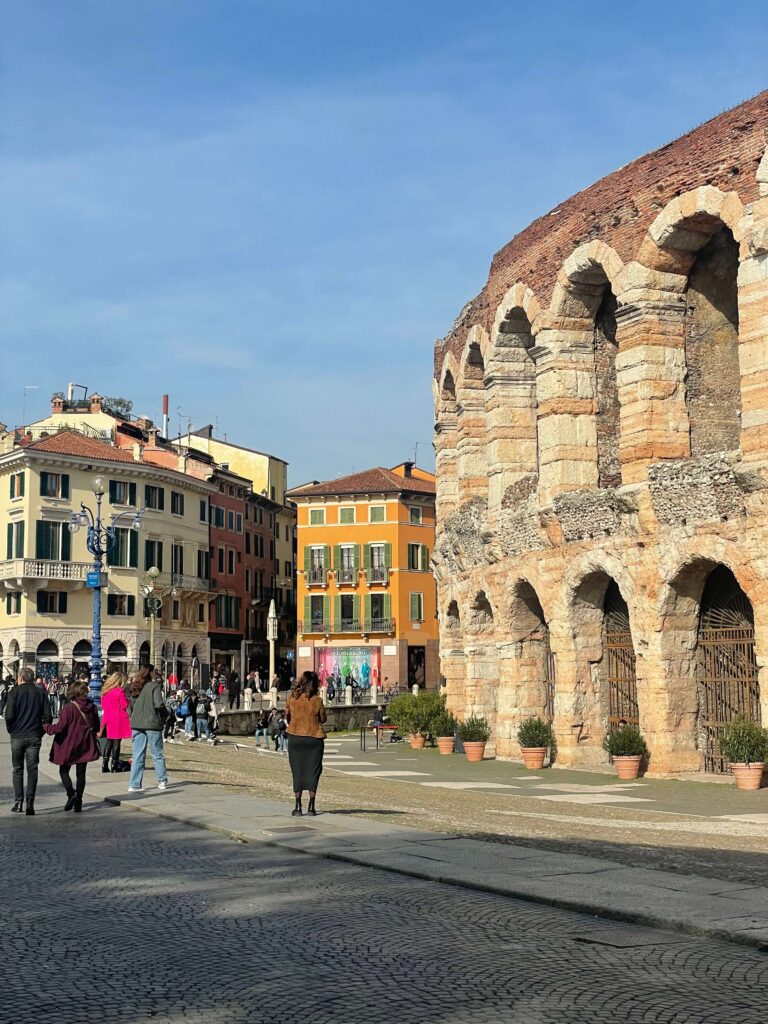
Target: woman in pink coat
115,720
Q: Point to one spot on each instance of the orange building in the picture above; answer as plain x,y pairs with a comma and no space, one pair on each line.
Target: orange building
366,594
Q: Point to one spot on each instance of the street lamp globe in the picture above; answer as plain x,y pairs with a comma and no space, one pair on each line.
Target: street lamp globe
74,525
98,485
153,572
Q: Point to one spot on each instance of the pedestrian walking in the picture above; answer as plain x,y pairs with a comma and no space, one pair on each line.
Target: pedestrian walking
74,743
147,720
262,728
115,720
190,725
27,711
305,714
234,691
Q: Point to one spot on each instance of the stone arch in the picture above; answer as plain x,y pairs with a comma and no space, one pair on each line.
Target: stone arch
518,297
452,655
687,222
471,446
446,436
482,658
480,615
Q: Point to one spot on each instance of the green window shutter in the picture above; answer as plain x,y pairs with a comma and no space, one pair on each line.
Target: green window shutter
112,491
13,483
337,612
7,604
424,558
133,549
65,485
131,604
387,556
147,555
387,606
9,542
161,495
367,607
414,607
307,558
66,543
111,604
366,556
112,553
63,603
337,557
356,556
40,596
307,613
22,480
326,610
356,607
132,494
326,556
160,555
20,545
41,538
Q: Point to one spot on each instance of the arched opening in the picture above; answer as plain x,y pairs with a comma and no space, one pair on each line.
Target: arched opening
117,653
726,664
453,619
713,389
480,616
527,684
81,656
474,367
448,393
47,659
471,423
607,424
144,653
620,677
13,657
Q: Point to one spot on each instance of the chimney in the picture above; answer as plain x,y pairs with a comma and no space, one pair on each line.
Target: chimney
96,403
407,467
57,403
165,415
152,437
138,453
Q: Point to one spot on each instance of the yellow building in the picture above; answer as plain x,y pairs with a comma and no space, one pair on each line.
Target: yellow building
366,593
46,617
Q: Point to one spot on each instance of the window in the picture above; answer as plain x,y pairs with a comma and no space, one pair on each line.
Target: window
377,560
239,522
376,514
176,610
177,559
272,493
177,503
121,604
53,541
15,540
416,604
289,569
316,517
271,551
348,613
17,485
220,560
247,543
230,519
418,557
122,493
218,517
125,551
378,605
203,510
51,602
227,612
415,515
154,497
346,515
201,612
317,612
248,581
287,535
153,554
231,561
54,485
13,603
203,564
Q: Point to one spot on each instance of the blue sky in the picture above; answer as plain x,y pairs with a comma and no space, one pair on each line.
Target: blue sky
271,210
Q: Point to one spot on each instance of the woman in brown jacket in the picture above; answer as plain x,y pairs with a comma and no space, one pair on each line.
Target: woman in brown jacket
305,714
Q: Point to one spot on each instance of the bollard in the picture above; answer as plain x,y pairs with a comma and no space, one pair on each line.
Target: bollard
348,696
273,697
374,694
324,694
415,689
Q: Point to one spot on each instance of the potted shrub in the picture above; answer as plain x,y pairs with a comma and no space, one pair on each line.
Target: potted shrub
744,745
626,748
427,706
444,729
400,710
534,736
475,733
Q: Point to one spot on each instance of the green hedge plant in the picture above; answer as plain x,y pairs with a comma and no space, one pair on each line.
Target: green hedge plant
625,742
417,714
744,742
535,732
474,729
444,724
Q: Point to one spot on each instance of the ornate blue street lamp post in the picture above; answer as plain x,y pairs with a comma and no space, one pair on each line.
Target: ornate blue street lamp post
100,541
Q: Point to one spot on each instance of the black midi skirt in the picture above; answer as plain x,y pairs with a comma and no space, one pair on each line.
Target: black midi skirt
305,756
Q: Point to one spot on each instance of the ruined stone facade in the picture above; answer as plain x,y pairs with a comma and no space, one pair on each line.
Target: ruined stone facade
602,460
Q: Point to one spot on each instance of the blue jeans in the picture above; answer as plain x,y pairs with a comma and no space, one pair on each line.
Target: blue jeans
281,739
140,739
262,732
202,726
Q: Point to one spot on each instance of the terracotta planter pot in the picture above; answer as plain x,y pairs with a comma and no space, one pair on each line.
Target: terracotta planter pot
418,741
474,750
627,767
445,744
748,776
533,757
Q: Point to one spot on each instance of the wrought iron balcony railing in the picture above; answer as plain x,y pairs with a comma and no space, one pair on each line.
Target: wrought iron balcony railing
314,626
377,574
347,626
380,625
346,574
317,575
181,582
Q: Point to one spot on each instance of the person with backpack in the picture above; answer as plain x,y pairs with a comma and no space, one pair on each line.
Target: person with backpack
202,712
190,724
74,743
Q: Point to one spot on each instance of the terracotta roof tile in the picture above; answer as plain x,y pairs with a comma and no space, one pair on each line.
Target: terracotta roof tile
70,442
376,481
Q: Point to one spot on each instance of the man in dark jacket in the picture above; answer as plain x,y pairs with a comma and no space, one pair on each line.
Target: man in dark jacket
27,710
234,690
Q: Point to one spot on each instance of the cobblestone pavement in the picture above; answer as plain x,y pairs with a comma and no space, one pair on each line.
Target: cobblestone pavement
632,833
115,918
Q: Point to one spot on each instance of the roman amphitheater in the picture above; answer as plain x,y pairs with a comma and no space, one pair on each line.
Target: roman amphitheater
602,460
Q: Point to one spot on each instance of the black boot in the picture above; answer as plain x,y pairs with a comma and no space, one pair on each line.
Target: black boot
297,811
18,807
105,765
78,806
311,809
31,808
71,797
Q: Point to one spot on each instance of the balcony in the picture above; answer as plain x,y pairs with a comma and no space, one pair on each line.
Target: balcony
346,575
179,581
377,574
347,626
317,576
43,569
380,625
314,626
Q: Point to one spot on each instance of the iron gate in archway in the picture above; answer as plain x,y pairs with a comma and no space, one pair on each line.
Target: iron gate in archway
727,667
620,661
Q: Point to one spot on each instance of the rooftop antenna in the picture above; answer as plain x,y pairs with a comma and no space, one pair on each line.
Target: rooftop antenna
416,451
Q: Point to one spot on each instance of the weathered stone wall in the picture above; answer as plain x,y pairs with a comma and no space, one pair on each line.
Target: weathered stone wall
602,416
